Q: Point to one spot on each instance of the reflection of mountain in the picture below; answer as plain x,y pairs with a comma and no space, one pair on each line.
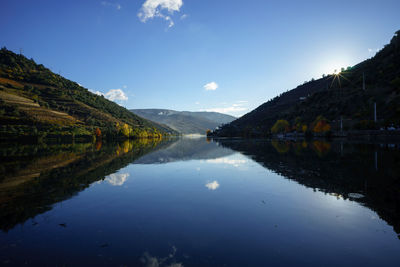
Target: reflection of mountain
186,149
335,168
36,177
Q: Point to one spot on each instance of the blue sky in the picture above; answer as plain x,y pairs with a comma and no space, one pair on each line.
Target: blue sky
223,55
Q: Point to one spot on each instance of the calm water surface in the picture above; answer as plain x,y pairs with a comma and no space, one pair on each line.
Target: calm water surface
193,202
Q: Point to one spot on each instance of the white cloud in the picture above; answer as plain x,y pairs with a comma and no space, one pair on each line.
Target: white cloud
197,103
115,5
231,109
117,179
153,8
96,92
235,109
373,50
212,86
113,94
213,185
116,94
184,16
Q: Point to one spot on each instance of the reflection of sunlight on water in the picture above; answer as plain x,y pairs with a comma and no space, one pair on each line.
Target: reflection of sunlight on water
117,179
212,185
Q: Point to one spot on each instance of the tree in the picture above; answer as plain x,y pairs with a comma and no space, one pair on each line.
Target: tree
321,125
126,130
280,126
298,124
98,132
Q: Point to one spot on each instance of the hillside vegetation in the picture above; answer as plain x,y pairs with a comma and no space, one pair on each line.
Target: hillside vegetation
185,122
318,106
35,102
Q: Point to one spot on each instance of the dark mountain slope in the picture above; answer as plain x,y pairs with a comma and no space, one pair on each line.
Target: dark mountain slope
333,97
36,101
185,122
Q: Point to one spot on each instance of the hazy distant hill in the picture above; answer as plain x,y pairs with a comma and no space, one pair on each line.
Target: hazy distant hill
37,102
185,122
333,99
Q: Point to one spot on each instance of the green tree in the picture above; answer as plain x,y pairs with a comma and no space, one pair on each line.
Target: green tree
280,126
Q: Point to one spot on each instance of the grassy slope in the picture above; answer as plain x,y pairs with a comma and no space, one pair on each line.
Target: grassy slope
35,100
327,97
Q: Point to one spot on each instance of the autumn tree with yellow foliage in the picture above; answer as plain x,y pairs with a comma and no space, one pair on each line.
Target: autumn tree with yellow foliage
321,125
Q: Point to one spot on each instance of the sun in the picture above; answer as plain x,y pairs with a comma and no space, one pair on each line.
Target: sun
334,65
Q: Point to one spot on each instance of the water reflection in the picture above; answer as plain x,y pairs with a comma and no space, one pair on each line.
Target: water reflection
117,179
198,203
366,173
212,185
34,177
186,149
169,261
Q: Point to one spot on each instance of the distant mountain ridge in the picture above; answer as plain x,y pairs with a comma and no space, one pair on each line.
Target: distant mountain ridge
185,122
335,97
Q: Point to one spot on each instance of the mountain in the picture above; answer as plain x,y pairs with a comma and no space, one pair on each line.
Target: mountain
331,98
37,102
185,122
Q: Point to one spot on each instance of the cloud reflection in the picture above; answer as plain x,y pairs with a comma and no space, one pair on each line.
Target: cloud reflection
233,162
169,261
212,185
117,179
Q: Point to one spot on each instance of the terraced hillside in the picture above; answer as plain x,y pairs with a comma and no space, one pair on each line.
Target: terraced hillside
35,102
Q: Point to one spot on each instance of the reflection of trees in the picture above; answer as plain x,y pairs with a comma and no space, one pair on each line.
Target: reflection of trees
281,147
55,173
321,147
338,169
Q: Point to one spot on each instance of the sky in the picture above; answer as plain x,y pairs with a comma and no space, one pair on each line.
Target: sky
227,56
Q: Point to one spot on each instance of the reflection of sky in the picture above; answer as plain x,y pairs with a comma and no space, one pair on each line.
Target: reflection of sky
117,179
236,160
152,261
212,185
259,212
227,160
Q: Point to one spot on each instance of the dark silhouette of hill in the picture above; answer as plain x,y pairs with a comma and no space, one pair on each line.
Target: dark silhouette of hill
340,169
35,101
185,122
334,96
